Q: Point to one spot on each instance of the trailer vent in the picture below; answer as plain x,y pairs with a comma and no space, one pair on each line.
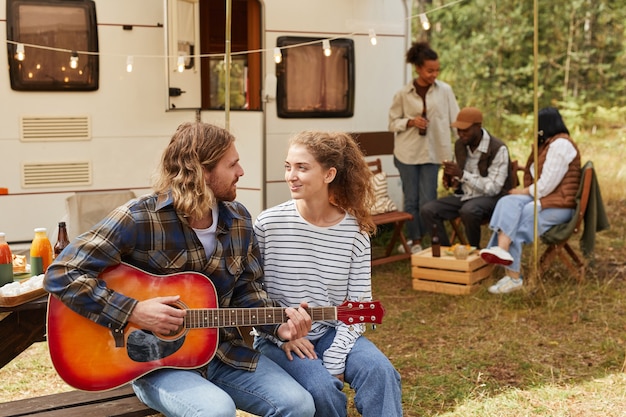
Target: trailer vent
57,174
64,128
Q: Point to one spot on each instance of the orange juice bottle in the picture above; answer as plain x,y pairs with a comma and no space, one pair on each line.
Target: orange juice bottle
6,261
40,252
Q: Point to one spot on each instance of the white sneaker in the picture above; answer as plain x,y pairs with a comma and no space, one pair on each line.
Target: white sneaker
401,248
506,285
496,255
416,248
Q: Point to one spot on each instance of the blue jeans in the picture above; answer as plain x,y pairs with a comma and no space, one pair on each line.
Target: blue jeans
268,391
419,186
514,216
375,381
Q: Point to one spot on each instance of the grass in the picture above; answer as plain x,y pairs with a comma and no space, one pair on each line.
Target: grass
555,350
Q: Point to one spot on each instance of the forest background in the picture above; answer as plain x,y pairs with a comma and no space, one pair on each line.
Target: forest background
486,53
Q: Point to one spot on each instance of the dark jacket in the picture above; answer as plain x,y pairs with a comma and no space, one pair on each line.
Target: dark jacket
460,153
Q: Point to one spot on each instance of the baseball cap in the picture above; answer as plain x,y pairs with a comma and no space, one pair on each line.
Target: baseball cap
467,117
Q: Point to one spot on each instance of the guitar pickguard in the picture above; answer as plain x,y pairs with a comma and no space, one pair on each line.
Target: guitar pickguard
144,346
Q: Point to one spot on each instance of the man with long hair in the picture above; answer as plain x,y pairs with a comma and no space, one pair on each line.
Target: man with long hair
190,223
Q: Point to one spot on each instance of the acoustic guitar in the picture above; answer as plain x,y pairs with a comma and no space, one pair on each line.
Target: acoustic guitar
92,357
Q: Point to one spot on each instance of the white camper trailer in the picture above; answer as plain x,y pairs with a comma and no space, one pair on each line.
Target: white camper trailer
94,89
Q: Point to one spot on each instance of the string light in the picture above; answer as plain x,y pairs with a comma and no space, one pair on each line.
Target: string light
326,46
372,34
424,21
74,60
19,52
129,63
327,51
278,56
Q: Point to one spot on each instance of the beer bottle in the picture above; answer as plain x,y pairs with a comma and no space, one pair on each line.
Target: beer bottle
435,245
62,239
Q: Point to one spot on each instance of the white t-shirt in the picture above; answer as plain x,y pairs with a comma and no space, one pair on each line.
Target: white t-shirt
207,236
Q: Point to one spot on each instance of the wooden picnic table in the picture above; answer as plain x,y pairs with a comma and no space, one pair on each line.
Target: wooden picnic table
21,326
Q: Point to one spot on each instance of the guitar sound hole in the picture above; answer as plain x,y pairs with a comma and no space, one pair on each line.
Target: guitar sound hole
180,331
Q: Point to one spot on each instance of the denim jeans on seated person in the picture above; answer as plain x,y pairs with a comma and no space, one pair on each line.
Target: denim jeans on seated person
268,391
368,371
514,216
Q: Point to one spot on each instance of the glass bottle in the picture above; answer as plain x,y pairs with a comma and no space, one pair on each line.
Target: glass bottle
435,245
6,261
62,239
40,252
421,131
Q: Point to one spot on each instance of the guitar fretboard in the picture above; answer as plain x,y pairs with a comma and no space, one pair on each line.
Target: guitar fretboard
233,317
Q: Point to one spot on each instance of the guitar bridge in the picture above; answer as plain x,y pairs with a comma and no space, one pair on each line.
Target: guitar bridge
118,337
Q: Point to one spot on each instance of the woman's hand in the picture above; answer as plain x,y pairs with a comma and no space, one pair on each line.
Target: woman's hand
298,325
301,347
521,191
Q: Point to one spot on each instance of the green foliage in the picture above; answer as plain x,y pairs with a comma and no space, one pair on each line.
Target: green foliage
486,52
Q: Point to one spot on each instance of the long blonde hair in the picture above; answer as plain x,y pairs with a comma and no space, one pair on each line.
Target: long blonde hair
194,147
351,190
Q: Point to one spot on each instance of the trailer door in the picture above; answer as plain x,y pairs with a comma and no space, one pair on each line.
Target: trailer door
183,66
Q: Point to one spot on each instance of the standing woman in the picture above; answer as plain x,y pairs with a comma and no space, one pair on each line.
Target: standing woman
512,222
421,116
317,246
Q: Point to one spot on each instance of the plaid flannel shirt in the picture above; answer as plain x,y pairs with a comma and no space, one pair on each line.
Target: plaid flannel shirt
149,234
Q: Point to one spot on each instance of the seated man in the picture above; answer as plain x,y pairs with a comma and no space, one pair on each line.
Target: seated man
479,177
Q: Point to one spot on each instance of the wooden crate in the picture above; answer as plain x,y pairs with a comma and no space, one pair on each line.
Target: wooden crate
447,274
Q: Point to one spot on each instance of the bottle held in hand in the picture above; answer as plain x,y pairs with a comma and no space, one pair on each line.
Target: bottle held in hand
421,131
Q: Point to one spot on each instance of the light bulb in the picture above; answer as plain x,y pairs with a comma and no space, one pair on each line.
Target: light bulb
424,21
129,63
19,52
181,63
278,56
326,46
372,34
74,60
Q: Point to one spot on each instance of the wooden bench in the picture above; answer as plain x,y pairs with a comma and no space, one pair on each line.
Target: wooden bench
120,402
397,218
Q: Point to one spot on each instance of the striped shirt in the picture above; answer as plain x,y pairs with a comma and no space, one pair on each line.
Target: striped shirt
149,234
323,266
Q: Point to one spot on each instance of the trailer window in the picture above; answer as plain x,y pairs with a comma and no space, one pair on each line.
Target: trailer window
311,84
60,45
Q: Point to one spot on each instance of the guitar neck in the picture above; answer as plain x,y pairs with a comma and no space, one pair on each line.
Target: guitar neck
235,317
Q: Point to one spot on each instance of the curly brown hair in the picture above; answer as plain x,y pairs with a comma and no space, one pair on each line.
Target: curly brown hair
351,190
420,52
194,147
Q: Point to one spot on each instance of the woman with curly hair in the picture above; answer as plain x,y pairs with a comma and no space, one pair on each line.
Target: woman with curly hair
316,247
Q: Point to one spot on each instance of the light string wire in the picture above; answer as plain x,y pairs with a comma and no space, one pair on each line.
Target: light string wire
223,55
